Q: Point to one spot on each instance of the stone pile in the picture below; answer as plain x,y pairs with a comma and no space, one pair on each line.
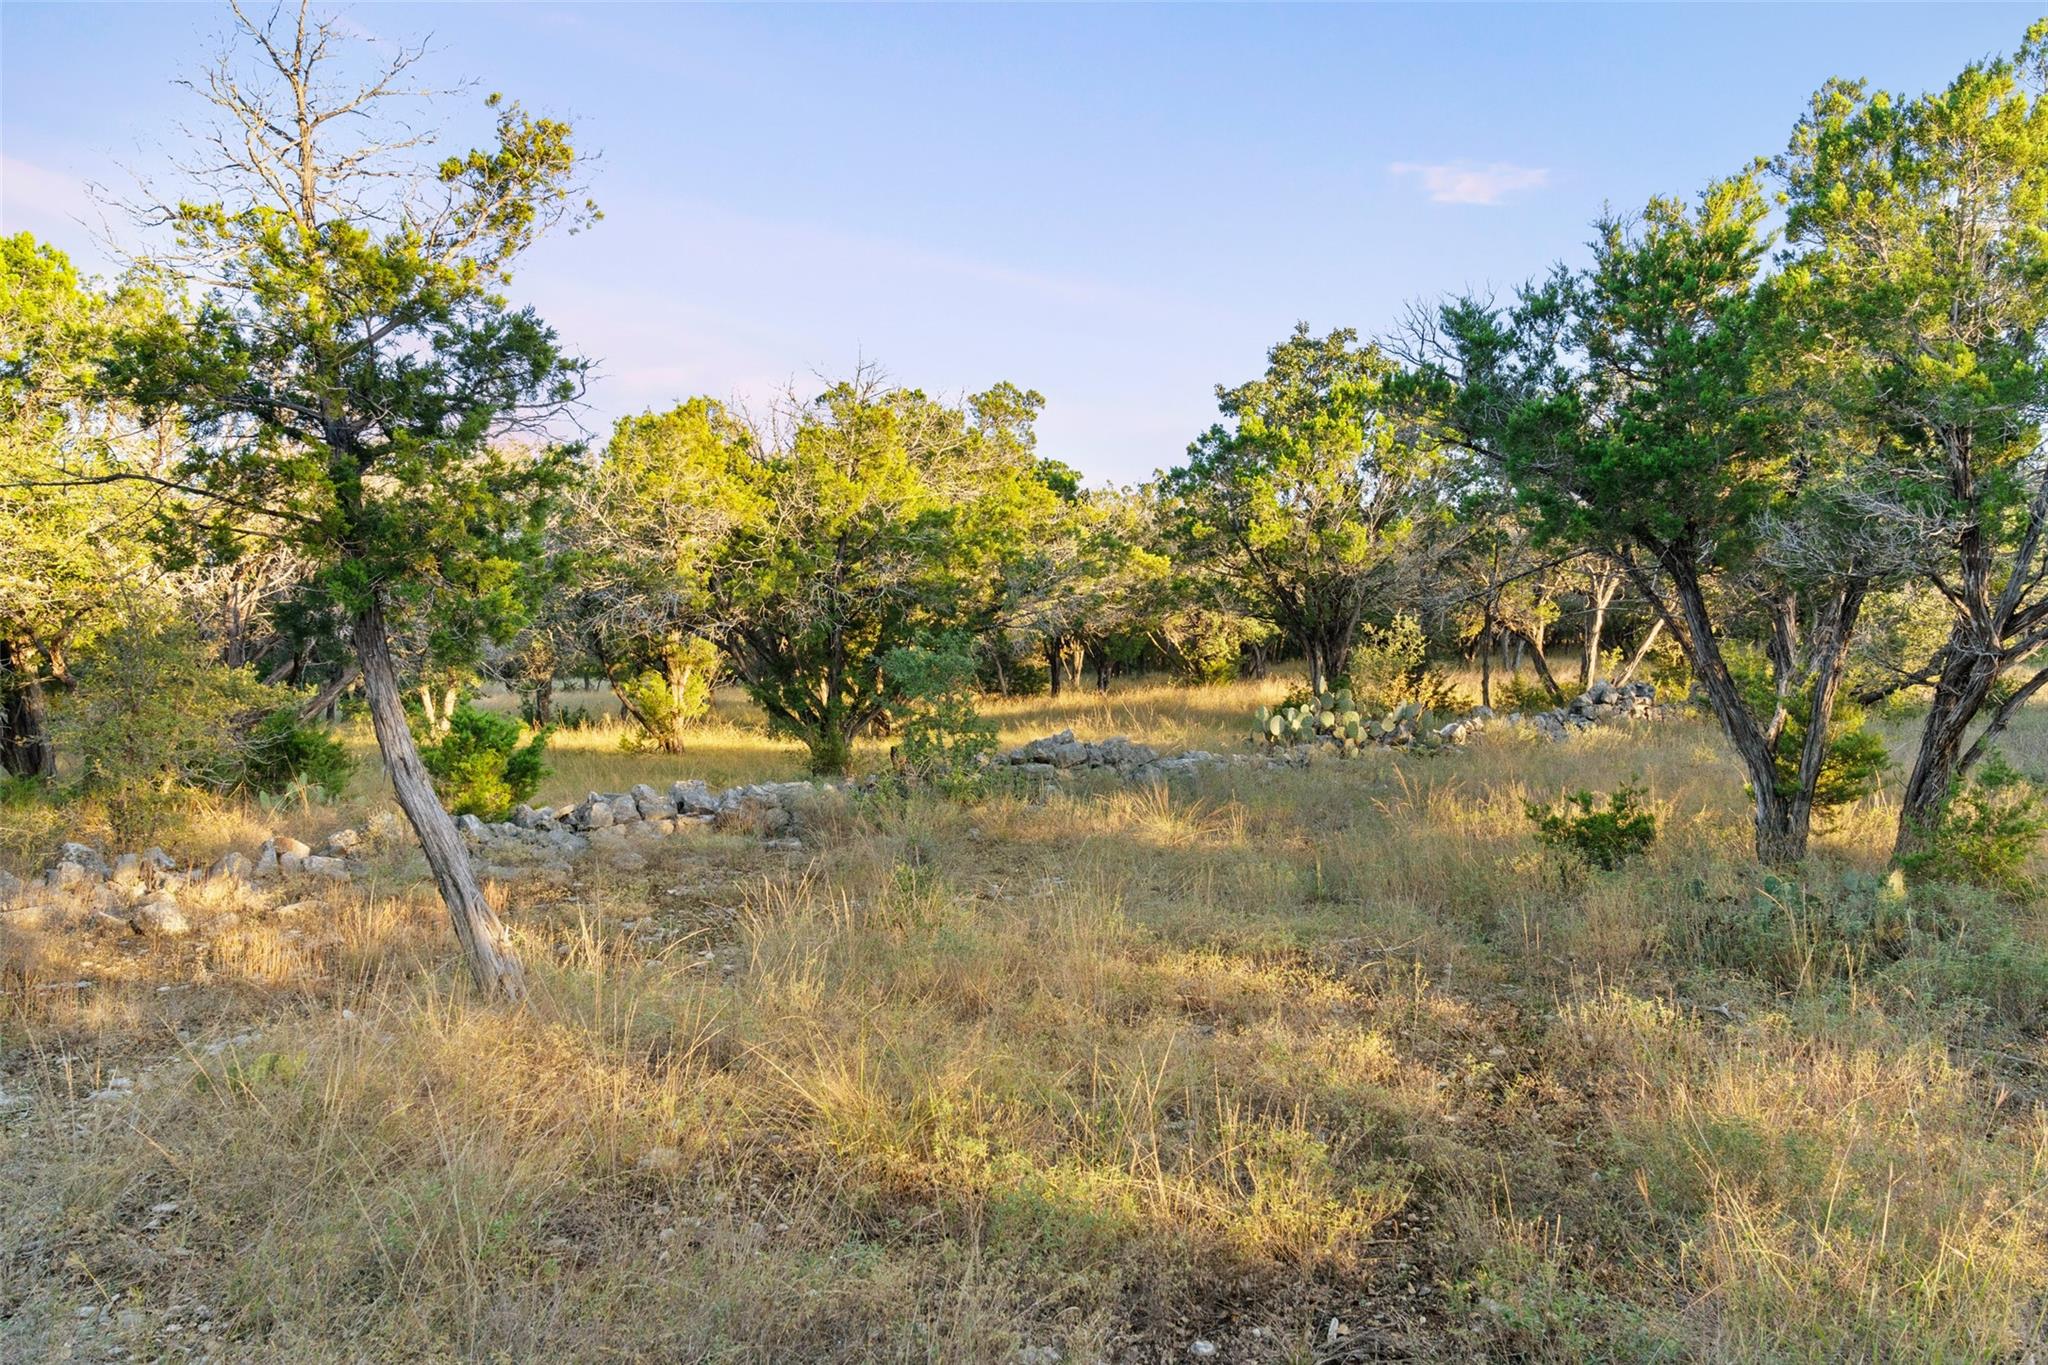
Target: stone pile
140,891
1062,755
1601,704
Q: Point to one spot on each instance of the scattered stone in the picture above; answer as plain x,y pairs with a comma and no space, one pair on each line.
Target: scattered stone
1202,1349
318,866
231,865
161,918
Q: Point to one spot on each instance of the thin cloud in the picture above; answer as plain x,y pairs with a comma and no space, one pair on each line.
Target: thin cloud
1461,182
36,197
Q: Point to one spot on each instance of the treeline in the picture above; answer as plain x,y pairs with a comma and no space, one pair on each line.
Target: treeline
1782,440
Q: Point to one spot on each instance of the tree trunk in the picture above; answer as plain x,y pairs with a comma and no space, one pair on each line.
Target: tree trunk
1781,826
485,944
327,696
1642,652
1542,663
1959,694
1055,657
25,746
1600,592
544,701
1486,666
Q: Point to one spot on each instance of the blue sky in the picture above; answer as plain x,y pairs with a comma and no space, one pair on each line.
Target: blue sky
1119,206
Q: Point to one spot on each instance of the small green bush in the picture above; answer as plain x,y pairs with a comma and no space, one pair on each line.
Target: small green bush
1391,667
283,753
1985,831
480,768
1603,836
1525,695
942,740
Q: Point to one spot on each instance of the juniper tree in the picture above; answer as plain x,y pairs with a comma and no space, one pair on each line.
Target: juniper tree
1649,407
352,372
1920,236
1302,497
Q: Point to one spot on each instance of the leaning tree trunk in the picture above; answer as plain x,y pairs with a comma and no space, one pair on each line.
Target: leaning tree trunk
485,944
1536,656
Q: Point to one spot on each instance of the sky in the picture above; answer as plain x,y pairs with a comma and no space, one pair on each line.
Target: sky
1120,206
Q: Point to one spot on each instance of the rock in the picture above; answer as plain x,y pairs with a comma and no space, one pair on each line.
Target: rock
318,866
68,875
693,798
1202,1349
85,856
470,826
26,919
161,918
230,865
526,817
291,846
649,804
158,861
785,844
592,813
342,842
10,886
127,868
290,863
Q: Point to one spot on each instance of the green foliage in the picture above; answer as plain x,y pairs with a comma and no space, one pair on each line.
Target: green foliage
1986,831
283,752
1391,667
1302,496
877,519
1526,695
941,740
1605,836
68,550
666,701
153,718
1855,759
479,766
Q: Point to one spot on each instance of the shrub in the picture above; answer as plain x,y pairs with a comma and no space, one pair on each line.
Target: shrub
1390,668
284,753
941,739
1526,695
479,766
1985,830
1600,836
154,718
667,701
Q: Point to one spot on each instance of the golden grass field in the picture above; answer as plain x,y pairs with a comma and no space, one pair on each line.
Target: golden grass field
1323,1065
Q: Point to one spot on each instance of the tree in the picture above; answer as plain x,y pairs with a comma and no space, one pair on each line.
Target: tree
642,531
1302,496
1648,408
70,550
352,374
1921,232
871,519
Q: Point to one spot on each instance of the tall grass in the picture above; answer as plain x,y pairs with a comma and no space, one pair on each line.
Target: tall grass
1096,1074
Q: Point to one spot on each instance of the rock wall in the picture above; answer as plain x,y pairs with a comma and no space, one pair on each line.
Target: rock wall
139,892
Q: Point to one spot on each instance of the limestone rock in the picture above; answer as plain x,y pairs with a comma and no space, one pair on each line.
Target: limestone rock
161,918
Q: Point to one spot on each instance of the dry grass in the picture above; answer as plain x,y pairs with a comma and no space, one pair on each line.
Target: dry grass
1100,1074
